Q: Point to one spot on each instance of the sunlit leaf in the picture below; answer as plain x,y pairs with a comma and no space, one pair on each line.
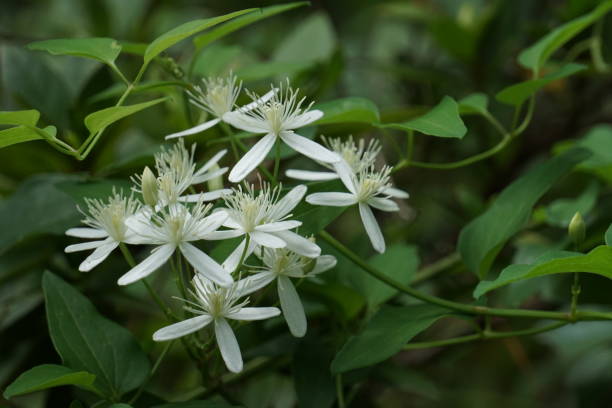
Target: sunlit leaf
388,331
442,120
21,117
48,376
519,93
597,261
347,110
536,56
185,30
237,23
20,134
97,121
481,239
104,50
88,341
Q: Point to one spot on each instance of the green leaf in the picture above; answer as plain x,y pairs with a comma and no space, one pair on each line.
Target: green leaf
481,239
597,261
536,56
399,262
312,41
561,211
237,23
518,93
88,341
341,298
316,217
104,50
97,121
476,103
264,70
47,376
609,236
442,120
598,140
347,110
18,134
185,30
388,331
21,117
314,384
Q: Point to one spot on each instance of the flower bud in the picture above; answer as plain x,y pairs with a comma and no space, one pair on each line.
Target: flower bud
576,229
148,184
217,182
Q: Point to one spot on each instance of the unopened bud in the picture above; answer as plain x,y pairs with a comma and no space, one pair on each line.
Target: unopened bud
217,182
148,184
576,229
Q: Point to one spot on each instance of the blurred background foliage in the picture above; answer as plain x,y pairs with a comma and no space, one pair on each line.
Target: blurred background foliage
404,56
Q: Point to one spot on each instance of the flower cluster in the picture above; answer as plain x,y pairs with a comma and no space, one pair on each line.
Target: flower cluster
176,217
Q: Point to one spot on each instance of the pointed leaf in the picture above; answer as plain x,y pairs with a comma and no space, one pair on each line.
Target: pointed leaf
348,110
185,30
104,50
597,261
97,121
47,376
442,120
88,341
21,117
388,331
476,103
20,134
481,239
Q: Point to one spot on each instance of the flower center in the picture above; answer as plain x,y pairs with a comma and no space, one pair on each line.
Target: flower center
219,99
274,114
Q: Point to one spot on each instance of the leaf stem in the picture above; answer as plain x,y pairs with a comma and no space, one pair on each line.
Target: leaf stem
152,373
276,161
339,391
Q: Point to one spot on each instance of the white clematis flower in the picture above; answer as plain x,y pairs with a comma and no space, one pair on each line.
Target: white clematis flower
281,265
174,228
277,119
264,219
107,224
357,156
369,188
213,304
217,98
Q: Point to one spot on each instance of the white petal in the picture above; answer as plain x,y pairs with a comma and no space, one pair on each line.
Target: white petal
83,246
208,196
210,224
267,240
196,129
292,307
205,265
347,176
309,148
299,244
246,122
253,283
288,202
228,345
383,204
99,255
183,328
208,176
304,119
211,162
324,263
265,98
310,175
232,261
335,199
219,235
372,228
396,192
252,158
254,313
86,233
158,257
278,226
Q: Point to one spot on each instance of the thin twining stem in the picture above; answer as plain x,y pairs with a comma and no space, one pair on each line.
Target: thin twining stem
484,335
456,306
152,372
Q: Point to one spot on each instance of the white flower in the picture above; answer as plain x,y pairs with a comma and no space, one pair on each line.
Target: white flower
217,98
277,118
174,228
282,264
107,223
213,304
357,156
369,188
264,218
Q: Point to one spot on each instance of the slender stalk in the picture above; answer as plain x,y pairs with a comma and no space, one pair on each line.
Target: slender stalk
232,140
575,293
456,306
244,252
599,63
339,391
152,373
435,268
277,152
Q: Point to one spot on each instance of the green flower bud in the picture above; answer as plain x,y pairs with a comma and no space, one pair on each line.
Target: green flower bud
577,229
217,182
148,183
